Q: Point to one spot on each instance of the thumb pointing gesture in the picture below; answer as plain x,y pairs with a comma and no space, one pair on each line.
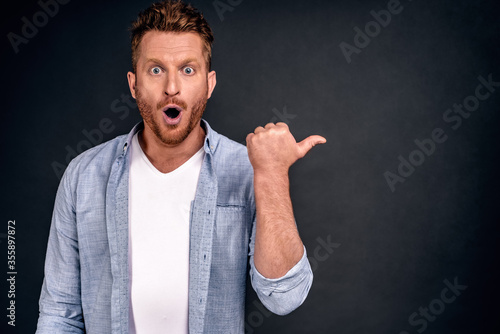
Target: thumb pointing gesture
308,143
273,148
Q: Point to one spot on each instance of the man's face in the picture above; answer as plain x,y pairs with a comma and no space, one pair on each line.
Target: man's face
171,84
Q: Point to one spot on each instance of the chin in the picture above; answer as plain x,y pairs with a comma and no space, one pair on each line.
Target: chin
175,134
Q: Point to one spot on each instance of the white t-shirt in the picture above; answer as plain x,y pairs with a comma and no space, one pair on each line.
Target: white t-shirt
159,209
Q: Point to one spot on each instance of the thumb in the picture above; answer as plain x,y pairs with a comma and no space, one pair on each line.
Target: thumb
308,143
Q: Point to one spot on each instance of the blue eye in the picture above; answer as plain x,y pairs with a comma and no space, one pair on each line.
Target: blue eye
188,70
156,70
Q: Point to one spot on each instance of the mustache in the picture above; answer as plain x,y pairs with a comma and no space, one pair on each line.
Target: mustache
171,100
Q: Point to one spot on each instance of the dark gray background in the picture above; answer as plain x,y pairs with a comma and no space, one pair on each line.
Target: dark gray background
396,248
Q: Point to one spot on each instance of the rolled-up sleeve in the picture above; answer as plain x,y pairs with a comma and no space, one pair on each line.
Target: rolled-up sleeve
284,294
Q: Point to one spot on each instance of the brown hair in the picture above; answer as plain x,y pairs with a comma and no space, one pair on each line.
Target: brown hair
171,16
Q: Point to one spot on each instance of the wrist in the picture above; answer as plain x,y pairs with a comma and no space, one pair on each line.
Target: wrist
271,173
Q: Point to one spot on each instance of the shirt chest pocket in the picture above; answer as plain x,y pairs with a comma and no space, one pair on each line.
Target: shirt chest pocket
231,238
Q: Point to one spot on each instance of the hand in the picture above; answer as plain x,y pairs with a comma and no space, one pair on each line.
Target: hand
273,148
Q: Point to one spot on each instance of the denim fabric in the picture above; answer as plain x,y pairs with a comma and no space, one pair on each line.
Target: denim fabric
86,269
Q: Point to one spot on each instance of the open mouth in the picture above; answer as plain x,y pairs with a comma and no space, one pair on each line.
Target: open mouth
172,113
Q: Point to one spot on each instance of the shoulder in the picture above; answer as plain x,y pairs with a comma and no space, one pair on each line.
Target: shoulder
233,170
231,157
97,160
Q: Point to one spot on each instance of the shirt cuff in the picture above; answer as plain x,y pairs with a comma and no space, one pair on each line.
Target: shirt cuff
299,273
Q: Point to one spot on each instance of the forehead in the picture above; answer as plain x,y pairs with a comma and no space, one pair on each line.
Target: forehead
170,46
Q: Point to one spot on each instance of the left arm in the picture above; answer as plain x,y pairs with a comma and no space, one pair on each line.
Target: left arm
272,150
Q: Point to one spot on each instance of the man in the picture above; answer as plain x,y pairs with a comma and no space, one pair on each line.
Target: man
152,231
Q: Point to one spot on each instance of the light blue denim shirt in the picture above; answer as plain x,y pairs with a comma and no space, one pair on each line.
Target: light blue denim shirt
86,287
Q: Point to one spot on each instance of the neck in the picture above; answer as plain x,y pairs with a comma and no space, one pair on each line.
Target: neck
167,158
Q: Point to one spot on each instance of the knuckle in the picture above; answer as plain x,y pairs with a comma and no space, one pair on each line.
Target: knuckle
283,124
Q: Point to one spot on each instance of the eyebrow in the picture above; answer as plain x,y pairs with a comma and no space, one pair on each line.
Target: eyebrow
184,61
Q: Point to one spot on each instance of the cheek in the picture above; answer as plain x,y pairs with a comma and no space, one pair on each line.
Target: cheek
150,89
149,92
197,90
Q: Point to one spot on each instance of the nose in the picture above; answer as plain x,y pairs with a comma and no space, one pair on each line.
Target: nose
172,84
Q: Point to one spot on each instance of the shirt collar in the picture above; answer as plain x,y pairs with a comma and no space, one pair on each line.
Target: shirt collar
211,138
210,144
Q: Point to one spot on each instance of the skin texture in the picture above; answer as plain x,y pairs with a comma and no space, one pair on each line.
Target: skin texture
162,78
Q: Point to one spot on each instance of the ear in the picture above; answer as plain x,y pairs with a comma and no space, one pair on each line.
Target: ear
131,83
212,81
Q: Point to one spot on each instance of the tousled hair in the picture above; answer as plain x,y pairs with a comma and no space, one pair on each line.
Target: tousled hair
171,16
